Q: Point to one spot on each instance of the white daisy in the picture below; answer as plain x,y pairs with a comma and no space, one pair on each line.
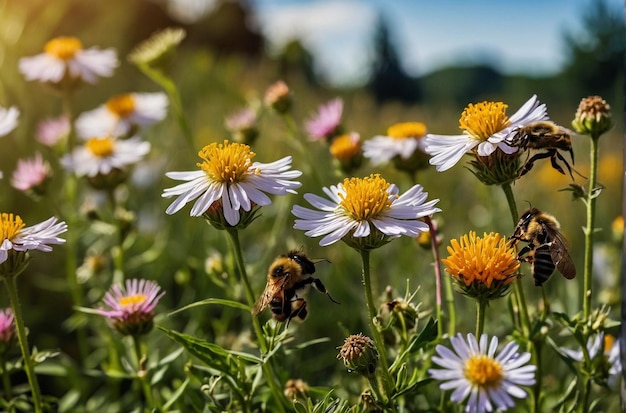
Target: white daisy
485,128
103,155
8,119
65,56
357,204
402,139
600,345
120,113
227,174
15,236
472,369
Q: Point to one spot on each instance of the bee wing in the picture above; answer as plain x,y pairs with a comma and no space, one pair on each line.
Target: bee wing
559,250
264,299
271,289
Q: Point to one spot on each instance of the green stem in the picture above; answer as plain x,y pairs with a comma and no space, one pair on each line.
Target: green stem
481,306
268,371
6,381
589,228
519,289
438,302
142,375
176,102
387,381
23,342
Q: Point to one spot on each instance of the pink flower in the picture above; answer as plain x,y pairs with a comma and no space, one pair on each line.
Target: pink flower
30,174
131,309
326,122
52,131
7,328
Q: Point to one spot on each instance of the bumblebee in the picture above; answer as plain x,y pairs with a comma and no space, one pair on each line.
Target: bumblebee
547,248
544,135
287,275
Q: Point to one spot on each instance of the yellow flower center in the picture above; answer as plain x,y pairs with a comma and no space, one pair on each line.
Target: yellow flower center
226,163
344,147
122,105
406,130
101,147
481,260
10,225
63,47
483,371
365,198
609,340
132,300
484,119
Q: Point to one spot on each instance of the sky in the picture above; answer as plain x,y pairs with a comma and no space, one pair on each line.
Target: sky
516,37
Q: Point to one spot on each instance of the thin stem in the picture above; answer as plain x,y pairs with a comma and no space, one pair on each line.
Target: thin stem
519,290
378,339
435,248
589,228
6,381
23,342
142,374
177,106
233,236
481,306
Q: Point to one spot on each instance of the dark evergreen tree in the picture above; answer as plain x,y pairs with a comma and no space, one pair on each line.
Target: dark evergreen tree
596,57
388,80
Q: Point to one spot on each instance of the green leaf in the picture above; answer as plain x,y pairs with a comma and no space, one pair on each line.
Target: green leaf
208,301
412,388
210,354
176,395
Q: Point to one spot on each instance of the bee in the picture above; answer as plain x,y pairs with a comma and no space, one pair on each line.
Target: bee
547,248
287,275
544,135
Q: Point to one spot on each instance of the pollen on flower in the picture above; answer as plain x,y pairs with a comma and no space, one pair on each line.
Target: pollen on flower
406,130
227,162
101,147
10,225
483,371
365,198
483,119
121,105
63,47
132,300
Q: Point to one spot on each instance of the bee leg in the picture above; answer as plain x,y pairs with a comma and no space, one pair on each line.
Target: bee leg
530,163
524,251
321,288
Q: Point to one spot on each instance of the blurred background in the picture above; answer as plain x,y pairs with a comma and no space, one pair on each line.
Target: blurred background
391,61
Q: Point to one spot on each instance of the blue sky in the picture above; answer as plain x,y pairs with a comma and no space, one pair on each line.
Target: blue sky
516,37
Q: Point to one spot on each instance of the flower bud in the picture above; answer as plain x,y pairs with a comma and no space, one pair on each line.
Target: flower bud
278,97
359,354
593,117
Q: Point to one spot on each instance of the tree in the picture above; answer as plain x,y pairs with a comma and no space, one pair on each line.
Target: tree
389,81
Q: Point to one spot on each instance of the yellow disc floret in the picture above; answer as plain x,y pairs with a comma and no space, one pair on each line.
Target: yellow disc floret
483,371
122,105
481,260
101,147
10,225
483,119
63,47
344,147
365,198
132,300
226,163
406,130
